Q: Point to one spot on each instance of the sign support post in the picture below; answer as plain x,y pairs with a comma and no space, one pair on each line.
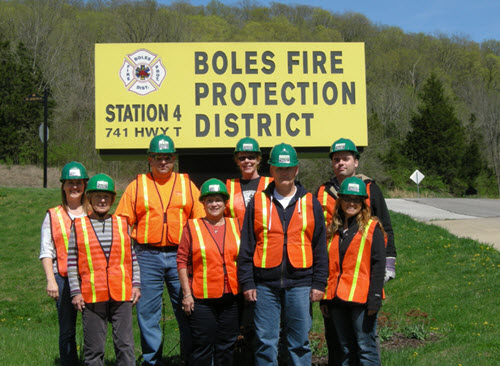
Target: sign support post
45,135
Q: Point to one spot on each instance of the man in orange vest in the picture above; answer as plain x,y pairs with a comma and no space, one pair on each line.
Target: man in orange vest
283,264
345,158
103,275
157,205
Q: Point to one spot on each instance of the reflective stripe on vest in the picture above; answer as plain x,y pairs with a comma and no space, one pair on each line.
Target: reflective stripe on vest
203,258
358,260
146,206
122,256
60,225
270,236
89,259
231,196
183,195
207,258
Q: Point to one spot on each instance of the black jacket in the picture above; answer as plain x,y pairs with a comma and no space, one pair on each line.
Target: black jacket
284,275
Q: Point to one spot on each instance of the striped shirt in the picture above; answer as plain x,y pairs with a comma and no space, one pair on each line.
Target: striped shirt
103,230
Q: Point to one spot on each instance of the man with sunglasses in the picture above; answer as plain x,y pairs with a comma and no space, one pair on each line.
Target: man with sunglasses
345,157
157,205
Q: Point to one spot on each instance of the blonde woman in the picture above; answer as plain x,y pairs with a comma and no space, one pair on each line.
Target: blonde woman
54,252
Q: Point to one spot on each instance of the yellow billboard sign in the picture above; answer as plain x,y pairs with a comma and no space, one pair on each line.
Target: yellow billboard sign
210,95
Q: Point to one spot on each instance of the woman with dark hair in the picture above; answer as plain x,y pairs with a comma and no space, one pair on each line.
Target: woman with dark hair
54,252
356,249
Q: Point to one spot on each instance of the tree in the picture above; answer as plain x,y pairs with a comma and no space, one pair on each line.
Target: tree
437,139
19,120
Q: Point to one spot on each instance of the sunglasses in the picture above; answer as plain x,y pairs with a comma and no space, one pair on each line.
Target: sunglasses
352,199
249,157
167,157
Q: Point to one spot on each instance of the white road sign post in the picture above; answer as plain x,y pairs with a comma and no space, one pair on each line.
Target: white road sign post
417,177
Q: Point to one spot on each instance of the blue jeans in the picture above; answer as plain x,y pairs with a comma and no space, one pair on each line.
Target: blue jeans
293,307
158,268
66,314
356,333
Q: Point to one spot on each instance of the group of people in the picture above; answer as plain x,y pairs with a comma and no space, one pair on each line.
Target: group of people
254,253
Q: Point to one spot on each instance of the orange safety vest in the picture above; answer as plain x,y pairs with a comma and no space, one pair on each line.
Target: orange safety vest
210,266
236,204
104,278
60,225
152,213
328,201
270,236
352,281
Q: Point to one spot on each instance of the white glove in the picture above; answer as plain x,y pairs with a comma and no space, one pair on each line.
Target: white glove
390,269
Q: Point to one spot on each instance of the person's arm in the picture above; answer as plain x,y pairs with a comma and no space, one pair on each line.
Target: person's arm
126,206
380,210
320,254
183,264
136,279
73,274
377,270
47,256
245,256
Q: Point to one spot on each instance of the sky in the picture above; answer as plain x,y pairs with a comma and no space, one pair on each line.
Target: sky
478,20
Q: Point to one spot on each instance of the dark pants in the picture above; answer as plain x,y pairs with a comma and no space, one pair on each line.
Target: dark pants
214,329
66,314
332,342
95,325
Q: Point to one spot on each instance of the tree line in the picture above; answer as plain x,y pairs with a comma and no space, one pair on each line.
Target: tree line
433,100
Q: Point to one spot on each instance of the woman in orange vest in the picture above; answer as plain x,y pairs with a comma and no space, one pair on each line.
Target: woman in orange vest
356,250
54,252
206,262
247,156
103,275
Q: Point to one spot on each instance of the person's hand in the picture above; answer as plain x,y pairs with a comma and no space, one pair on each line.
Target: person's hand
188,304
371,312
316,295
136,295
250,295
53,290
324,310
78,302
390,269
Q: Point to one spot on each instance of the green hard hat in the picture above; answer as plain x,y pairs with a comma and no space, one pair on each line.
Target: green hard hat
161,144
247,144
283,155
101,182
353,186
74,170
213,186
344,145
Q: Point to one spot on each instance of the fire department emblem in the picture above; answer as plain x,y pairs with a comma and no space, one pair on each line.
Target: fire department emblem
142,72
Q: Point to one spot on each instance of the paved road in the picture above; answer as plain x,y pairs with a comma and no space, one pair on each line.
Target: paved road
478,219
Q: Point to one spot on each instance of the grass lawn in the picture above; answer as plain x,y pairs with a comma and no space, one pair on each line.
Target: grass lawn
442,308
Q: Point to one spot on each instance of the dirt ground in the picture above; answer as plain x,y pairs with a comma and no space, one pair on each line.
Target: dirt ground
32,176
28,176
